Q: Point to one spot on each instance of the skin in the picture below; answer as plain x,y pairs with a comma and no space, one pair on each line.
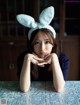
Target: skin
42,55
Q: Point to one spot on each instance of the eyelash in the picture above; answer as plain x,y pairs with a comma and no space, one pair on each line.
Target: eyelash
46,42
36,42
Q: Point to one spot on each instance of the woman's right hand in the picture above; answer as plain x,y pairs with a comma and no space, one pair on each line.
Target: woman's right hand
33,58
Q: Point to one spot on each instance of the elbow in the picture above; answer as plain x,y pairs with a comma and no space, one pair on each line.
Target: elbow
60,88
24,89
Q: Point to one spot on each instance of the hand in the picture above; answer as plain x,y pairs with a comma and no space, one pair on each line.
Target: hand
46,60
40,61
33,58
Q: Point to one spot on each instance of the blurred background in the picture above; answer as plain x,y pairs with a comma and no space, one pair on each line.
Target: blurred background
13,36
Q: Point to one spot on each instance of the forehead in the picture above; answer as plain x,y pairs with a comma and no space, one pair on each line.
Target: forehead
41,35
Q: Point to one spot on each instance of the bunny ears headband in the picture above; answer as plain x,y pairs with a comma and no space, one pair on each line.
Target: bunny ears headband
45,19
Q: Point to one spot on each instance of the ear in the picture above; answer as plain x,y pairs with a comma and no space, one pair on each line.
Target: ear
46,16
26,21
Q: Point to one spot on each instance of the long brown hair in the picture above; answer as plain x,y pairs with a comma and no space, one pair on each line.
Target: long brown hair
34,68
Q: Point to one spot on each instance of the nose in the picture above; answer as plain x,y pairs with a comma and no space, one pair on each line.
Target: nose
42,48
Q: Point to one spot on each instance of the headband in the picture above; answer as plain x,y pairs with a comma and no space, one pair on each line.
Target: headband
45,19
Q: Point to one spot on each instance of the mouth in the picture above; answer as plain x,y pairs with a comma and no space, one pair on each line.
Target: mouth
42,55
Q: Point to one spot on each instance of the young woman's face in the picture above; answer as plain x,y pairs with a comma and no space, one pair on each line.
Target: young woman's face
42,45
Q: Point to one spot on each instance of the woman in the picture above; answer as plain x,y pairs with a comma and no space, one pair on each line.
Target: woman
40,61
44,61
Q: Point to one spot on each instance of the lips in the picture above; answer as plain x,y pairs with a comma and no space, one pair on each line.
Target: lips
42,54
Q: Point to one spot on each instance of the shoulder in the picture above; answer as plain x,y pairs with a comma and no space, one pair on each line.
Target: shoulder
64,63
63,57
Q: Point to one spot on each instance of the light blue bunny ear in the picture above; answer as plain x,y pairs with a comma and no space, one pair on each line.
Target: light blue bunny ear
45,19
46,16
26,21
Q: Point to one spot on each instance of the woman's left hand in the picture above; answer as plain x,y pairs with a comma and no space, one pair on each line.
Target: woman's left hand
47,60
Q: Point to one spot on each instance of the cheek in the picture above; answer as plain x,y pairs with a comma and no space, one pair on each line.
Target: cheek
36,48
50,48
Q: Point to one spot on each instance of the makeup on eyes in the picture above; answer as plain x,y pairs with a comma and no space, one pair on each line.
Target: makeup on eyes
46,41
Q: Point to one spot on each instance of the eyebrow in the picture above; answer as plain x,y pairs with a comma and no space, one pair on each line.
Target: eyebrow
47,39
44,39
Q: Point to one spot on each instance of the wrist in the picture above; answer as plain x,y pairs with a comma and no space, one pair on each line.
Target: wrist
27,58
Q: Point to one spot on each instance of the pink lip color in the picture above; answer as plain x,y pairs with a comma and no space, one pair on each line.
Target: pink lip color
42,55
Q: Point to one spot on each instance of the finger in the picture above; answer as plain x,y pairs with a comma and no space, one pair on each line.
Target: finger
43,63
48,61
37,63
34,61
37,58
34,53
47,56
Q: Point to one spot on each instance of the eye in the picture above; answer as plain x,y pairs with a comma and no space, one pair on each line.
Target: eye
36,42
47,42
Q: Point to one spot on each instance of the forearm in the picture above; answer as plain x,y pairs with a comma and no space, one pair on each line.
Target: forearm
25,76
58,78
